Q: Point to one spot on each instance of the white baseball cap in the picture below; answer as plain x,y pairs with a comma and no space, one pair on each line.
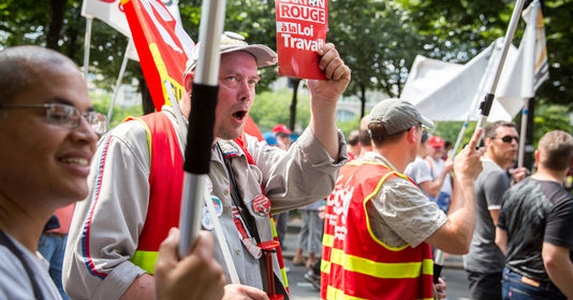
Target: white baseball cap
231,42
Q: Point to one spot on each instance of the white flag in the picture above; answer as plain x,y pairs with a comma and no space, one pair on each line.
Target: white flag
530,69
109,11
449,92
445,91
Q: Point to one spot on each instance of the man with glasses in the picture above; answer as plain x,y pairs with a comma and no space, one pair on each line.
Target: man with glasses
379,226
48,133
484,264
46,121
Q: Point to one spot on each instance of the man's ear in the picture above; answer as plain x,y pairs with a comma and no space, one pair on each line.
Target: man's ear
412,134
189,77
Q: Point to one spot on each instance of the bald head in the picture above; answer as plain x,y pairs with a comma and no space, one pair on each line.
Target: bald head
20,66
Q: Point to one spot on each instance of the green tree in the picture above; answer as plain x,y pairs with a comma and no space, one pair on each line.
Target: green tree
271,108
377,39
375,42
101,103
457,31
551,117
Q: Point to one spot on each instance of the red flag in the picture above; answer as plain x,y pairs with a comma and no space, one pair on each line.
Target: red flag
162,45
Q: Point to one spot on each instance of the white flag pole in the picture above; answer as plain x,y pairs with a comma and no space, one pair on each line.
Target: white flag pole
488,101
475,102
119,79
486,105
87,45
201,118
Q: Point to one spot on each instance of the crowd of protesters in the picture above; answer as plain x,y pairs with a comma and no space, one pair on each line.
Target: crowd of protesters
380,225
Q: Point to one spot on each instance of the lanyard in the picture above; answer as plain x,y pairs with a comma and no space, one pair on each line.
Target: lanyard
244,221
247,228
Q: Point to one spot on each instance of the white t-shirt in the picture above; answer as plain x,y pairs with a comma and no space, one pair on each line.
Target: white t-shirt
15,283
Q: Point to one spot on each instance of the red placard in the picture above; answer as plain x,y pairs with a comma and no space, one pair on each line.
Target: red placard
301,30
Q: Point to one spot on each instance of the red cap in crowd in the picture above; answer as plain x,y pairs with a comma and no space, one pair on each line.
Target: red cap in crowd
436,141
281,128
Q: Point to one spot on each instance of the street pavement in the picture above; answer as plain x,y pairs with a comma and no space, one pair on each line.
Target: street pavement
301,289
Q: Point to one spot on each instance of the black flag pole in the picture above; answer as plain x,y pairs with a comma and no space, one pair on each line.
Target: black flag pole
201,122
485,105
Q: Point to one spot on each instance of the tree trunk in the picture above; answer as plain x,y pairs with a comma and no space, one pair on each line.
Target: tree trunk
56,23
146,101
362,101
295,82
72,32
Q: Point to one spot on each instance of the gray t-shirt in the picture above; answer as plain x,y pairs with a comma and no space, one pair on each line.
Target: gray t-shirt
16,284
484,256
400,213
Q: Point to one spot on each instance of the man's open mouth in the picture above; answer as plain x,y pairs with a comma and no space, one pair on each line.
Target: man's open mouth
240,114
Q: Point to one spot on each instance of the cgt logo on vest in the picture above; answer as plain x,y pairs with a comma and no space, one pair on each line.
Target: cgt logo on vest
338,203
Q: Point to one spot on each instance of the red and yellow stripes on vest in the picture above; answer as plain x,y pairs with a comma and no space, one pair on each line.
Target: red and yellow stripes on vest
355,263
165,188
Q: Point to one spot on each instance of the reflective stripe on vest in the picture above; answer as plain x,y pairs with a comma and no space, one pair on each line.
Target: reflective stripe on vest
145,260
165,188
356,264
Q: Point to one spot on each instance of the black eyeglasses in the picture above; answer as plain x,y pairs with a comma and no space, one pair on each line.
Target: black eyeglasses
507,139
67,116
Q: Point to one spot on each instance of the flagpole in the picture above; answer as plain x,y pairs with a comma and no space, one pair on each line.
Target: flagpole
227,257
475,102
528,71
439,255
87,45
201,121
486,104
523,133
118,82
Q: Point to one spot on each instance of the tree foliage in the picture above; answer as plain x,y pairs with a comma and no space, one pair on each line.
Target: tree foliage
377,39
270,107
551,117
376,42
456,31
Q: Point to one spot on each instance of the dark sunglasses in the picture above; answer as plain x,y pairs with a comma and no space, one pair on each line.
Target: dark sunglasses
508,139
